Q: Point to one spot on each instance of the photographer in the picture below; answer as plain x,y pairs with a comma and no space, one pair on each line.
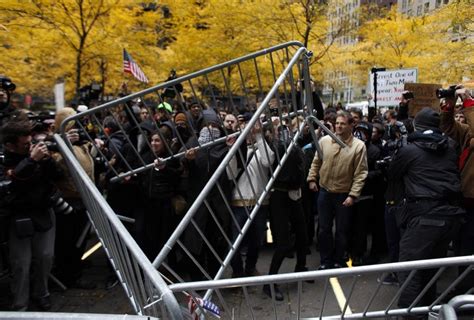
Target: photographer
32,223
71,221
463,134
431,219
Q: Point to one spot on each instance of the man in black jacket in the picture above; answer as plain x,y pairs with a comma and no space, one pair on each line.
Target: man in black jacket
32,226
431,179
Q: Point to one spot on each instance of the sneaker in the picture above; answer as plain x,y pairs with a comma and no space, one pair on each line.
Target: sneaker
324,267
278,295
389,280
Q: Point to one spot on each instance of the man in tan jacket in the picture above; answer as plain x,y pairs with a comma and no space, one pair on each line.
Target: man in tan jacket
341,174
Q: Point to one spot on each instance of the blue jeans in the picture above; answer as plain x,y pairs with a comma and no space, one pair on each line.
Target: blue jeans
330,207
253,239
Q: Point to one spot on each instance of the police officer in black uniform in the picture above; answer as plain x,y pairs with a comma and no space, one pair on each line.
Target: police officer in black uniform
427,166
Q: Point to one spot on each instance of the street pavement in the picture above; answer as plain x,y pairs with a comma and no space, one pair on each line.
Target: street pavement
114,300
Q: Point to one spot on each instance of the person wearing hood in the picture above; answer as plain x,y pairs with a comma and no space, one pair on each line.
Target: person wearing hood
427,166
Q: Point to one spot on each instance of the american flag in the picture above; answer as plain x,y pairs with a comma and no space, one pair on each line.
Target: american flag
132,67
205,304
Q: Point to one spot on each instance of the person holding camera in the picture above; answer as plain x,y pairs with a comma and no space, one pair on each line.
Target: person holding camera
463,134
432,216
32,222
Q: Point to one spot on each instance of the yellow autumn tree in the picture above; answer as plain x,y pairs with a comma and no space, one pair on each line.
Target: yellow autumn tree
430,43
79,41
211,31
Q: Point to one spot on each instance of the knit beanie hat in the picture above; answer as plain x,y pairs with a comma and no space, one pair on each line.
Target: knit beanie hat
210,116
180,117
426,119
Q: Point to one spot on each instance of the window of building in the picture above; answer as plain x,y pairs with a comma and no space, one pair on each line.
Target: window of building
404,4
419,10
427,7
446,1
438,3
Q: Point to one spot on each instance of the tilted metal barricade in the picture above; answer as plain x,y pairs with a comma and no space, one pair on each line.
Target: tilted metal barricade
455,305
201,246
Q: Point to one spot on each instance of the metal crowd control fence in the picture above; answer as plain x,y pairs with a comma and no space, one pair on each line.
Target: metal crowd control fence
274,84
348,293
69,316
448,311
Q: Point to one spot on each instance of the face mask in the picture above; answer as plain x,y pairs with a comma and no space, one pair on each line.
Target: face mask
183,132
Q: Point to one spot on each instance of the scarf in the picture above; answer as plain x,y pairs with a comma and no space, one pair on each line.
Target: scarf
208,134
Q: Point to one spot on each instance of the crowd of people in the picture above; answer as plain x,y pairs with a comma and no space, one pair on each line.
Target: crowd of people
396,188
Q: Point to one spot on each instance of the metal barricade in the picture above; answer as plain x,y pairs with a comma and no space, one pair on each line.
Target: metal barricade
70,316
348,293
277,81
146,290
459,303
201,245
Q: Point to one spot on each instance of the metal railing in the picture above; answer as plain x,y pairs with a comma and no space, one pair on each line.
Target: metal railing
201,244
363,296
144,287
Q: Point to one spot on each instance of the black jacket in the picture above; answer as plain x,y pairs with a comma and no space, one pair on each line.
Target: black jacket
292,175
374,178
163,183
427,165
31,187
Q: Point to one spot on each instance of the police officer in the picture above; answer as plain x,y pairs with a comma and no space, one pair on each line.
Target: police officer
427,166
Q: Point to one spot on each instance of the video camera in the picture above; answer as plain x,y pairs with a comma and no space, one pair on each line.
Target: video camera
7,84
6,88
449,93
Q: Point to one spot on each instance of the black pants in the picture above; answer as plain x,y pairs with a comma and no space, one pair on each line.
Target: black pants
283,212
333,249
67,256
424,238
361,226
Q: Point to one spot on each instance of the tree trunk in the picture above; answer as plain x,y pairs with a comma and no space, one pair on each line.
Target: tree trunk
78,71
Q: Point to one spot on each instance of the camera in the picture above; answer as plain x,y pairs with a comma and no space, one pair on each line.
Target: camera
6,88
407,95
59,205
446,93
383,163
7,84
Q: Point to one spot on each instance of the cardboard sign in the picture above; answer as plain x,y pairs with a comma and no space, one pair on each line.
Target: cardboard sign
390,85
425,96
